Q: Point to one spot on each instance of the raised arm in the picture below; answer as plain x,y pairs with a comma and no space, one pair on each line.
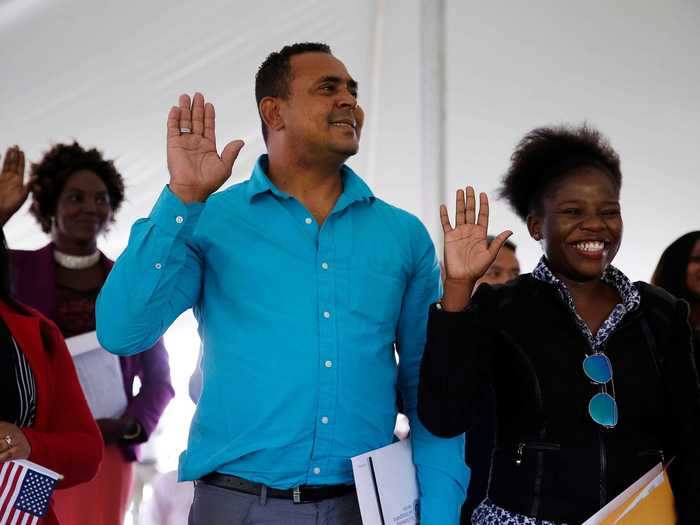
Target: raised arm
159,274
454,370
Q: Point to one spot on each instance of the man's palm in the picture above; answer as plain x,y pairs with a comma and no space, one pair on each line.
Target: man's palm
193,160
196,169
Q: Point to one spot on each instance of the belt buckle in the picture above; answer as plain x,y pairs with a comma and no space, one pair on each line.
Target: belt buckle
296,495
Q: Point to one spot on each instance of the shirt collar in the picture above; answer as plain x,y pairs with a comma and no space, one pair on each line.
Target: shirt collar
354,188
631,297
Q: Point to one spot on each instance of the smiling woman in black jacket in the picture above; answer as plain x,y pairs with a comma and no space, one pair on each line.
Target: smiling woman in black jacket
593,375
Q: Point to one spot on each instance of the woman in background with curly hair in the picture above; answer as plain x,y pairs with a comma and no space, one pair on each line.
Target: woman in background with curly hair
75,193
593,375
678,272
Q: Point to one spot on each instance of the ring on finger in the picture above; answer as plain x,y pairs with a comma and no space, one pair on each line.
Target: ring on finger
185,130
8,439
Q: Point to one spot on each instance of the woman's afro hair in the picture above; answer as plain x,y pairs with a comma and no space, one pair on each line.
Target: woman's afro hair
546,154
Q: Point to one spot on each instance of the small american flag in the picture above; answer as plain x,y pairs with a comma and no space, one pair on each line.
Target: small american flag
25,492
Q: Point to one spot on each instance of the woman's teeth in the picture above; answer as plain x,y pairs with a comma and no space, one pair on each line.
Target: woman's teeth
590,246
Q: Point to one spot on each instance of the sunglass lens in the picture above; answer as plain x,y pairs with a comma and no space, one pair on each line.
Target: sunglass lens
603,410
598,368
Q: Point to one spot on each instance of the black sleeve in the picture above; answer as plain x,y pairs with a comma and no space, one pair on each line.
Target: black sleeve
10,399
455,370
683,393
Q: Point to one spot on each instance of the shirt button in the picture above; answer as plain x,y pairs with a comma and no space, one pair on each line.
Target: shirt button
317,470
158,266
327,315
324,265
308,220
328,363
324,420
179,219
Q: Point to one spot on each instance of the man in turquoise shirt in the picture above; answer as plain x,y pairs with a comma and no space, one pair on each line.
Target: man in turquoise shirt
303,283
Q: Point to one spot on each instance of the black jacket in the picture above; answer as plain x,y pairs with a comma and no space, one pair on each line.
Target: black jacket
551,461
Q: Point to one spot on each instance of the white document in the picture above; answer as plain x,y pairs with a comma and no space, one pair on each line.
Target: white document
79,344
100,375
386,485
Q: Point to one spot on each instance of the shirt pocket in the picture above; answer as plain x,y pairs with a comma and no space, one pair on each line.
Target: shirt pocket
376,293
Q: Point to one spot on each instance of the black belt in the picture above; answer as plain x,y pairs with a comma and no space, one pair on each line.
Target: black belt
301,494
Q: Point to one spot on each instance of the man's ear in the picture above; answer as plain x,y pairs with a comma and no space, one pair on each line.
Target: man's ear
270,113
534,226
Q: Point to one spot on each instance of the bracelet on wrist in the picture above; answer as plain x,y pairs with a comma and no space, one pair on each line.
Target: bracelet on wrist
132,431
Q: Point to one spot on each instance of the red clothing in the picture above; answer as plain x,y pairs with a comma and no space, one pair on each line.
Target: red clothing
108,493
34,281
64,437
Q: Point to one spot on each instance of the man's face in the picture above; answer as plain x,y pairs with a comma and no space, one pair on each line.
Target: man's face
321,111
505,268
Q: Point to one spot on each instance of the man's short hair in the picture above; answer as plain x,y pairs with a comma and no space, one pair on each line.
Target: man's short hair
275,73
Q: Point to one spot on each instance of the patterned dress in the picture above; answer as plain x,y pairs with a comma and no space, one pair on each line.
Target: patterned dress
489,514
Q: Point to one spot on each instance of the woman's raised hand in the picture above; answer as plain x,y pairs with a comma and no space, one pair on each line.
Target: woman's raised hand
13,190
196,169
468,254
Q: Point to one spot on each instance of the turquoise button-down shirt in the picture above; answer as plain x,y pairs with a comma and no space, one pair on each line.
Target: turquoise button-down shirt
298,322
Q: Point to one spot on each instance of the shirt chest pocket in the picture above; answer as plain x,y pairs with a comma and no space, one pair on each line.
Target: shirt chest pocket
376,293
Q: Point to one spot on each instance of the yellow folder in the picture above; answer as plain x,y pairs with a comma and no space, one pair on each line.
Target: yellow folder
648,501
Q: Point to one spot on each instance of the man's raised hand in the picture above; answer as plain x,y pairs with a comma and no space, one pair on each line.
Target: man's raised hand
196,169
